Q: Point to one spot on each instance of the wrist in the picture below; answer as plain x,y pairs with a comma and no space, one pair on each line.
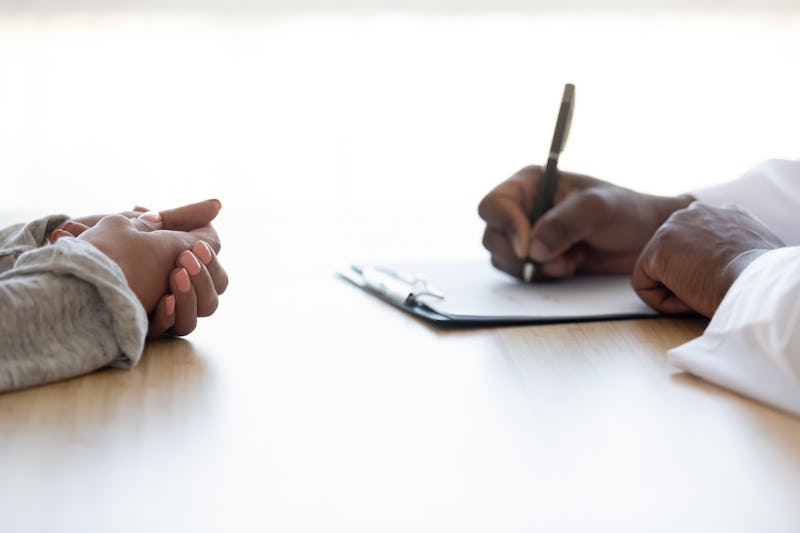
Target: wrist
737,265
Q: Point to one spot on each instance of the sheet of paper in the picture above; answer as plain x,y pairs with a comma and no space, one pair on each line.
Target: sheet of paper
476,289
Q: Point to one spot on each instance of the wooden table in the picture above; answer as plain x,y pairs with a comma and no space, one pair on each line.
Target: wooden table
347,415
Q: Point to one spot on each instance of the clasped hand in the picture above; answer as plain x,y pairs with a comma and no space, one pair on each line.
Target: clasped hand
169,259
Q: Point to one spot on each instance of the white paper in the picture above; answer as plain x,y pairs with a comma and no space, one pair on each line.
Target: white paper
476,289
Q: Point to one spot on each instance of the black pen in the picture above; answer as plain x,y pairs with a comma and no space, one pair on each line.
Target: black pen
545,195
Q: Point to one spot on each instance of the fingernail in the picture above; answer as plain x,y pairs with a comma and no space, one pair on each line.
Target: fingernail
219,204
182,281
538,250
188,261
152,216
169,305
202,250
58,233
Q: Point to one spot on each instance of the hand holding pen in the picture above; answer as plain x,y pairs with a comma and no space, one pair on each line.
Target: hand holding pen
568,223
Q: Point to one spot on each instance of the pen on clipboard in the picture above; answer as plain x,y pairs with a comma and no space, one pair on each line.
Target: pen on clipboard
545,194
396,286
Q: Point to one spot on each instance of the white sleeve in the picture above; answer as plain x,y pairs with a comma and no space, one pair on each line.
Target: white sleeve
770,191
752,344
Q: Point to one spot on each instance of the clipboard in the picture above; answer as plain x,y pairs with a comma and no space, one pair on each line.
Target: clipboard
475,294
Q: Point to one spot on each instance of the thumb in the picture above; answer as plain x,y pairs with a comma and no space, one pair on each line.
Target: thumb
566,224
185,218
192,216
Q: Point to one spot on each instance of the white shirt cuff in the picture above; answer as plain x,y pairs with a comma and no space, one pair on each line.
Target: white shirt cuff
752,344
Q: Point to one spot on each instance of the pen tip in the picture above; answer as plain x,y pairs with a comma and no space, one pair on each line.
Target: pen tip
527,271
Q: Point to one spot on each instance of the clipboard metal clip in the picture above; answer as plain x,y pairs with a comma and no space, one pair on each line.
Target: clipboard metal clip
397,286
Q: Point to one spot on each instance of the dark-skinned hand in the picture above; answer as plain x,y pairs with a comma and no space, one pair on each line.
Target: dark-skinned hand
696,255
594,226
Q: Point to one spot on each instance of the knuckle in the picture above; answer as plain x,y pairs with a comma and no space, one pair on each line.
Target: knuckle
594,200
530,170
115,220
222,285
487,240
679,216
556,233
209,308
483,206
661,235
553,229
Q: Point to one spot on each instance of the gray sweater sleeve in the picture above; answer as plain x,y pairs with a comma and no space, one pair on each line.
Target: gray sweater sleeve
65,309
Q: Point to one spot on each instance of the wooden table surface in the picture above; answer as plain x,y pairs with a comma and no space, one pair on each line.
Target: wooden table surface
306,405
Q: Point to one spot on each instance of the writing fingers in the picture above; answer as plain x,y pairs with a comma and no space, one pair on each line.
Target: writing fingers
567,224
505,217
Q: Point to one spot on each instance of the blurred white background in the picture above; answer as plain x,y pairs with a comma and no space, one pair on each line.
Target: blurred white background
402,105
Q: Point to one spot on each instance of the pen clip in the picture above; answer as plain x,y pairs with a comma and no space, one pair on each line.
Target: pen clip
397,286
